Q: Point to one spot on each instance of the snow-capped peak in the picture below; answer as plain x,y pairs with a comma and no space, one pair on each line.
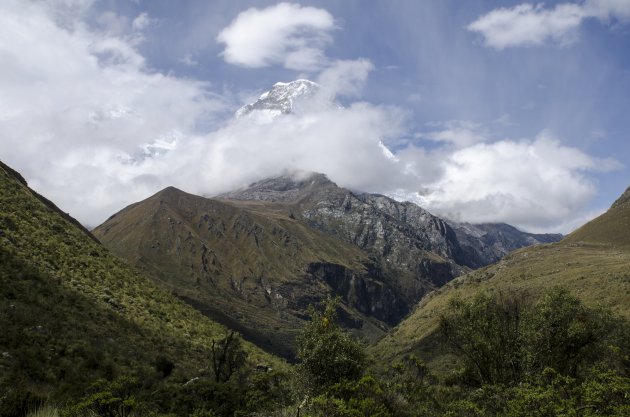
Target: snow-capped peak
283,98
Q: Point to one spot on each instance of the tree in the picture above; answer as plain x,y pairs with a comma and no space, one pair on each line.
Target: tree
487,333
563,334
227,356
506,339
327,354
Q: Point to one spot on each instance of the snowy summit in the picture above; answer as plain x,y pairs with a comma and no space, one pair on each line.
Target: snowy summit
283,98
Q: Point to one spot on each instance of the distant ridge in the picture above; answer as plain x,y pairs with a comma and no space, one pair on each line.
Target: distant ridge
288,188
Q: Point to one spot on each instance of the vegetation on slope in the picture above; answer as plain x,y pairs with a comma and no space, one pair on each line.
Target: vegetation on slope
252,268
593,263
611,228
71,312
516,358
84,331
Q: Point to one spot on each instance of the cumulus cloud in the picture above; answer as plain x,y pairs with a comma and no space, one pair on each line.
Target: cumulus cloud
531,183
92,128
341,142
528,24
75,102
285,34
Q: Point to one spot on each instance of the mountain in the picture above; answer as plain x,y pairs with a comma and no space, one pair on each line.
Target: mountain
71,312
419,246
487,243
610,228
283,98
593,263
256,258
252,266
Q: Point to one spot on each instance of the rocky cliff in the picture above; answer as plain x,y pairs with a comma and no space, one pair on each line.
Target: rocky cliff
424,250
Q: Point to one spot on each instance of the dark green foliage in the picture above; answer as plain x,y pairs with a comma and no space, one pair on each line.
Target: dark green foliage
487,333
328,354
108,399
505,339
164,366
554,357
250,391
561,333
365,397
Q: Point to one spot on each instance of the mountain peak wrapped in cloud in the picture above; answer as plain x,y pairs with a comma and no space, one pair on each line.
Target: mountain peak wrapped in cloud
283,98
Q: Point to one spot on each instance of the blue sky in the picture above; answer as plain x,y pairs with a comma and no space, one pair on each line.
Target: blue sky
494,111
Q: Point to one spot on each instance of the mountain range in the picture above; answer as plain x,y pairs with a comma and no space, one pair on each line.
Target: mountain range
255,259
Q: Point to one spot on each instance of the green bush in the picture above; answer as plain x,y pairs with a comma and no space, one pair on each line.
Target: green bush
328,355
108,399
505,339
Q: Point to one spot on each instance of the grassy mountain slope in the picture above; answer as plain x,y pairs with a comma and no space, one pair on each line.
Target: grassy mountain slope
593,263
71,312
250,265
610,229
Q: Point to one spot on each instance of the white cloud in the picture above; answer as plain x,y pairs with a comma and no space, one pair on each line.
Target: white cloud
345,77
456,132
528,24
94,130
75,101
142,21
530,183
285,34
341,142
608,9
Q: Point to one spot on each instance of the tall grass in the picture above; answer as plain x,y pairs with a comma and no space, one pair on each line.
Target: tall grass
45,411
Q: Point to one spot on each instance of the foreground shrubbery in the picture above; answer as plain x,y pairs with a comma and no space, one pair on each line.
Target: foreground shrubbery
518,358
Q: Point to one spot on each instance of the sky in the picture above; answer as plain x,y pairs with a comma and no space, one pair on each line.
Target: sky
477,110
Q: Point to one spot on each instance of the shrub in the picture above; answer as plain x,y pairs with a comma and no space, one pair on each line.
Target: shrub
327,354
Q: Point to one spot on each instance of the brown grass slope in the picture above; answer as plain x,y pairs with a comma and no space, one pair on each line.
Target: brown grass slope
71,311
250,265
593,263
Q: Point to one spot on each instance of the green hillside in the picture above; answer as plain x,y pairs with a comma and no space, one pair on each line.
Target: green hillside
71,312
251,266
593,264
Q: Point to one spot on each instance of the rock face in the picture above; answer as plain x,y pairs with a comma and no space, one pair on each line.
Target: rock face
421,249
484,244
